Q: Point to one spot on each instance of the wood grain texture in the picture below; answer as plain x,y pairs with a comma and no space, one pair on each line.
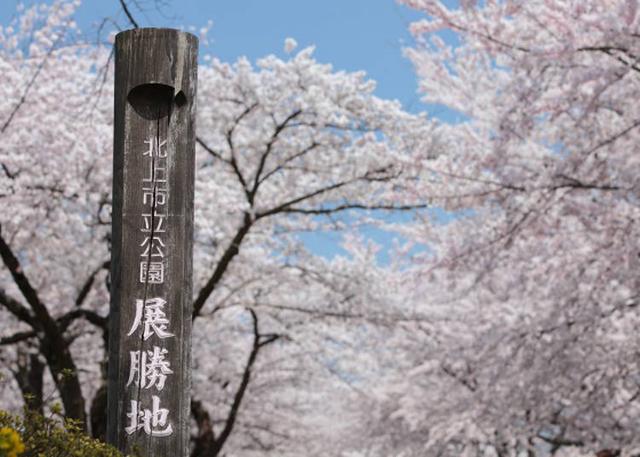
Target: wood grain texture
155,92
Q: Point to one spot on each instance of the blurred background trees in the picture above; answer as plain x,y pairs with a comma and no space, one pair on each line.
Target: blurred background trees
504,322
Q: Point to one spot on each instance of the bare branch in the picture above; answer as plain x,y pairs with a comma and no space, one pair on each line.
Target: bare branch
613,138
207,148
258,343
90,316
371,175
23,283
232,250
30,84
610,51
52,343
299,154
559,441
86,288
17,309
274,137
574,183
346,207
128,13
233,162
17,338
280,208
204,441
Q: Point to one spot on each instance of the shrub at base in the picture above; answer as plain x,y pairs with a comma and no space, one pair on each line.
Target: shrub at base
38,436
10,443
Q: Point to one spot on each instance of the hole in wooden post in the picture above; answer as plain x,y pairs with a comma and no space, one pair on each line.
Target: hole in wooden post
180,99
153,101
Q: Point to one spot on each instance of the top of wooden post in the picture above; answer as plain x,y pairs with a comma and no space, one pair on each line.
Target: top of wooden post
151,49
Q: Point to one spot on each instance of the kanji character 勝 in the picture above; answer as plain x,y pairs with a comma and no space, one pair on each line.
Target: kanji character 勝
149,368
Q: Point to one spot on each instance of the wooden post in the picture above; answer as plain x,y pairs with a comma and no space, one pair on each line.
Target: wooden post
152,237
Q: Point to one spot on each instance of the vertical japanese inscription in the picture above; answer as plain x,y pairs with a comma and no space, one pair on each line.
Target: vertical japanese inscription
149,368
150,319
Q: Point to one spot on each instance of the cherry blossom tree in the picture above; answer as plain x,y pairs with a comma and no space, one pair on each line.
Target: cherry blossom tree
533,281
287,147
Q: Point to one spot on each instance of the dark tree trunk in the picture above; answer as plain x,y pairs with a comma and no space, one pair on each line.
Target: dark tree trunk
98,414
65,375
29,376
53,345
608,453
204,443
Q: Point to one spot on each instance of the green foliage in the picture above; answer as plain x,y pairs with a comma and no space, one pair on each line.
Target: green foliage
50,437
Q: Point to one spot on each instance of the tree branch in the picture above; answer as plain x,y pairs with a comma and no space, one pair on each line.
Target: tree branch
128,13
574,183
258,343
233,162
346,207
274,137
52,343
370,175
17,338
211,151
559,441
90,316
86,288
299,154
280,208
614,138
30,84
29,293
609,50
232,250
204,441
17,309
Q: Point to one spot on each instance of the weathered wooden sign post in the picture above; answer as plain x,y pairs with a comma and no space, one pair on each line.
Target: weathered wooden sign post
150,320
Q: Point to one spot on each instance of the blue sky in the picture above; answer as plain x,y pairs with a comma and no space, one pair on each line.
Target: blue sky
350,34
